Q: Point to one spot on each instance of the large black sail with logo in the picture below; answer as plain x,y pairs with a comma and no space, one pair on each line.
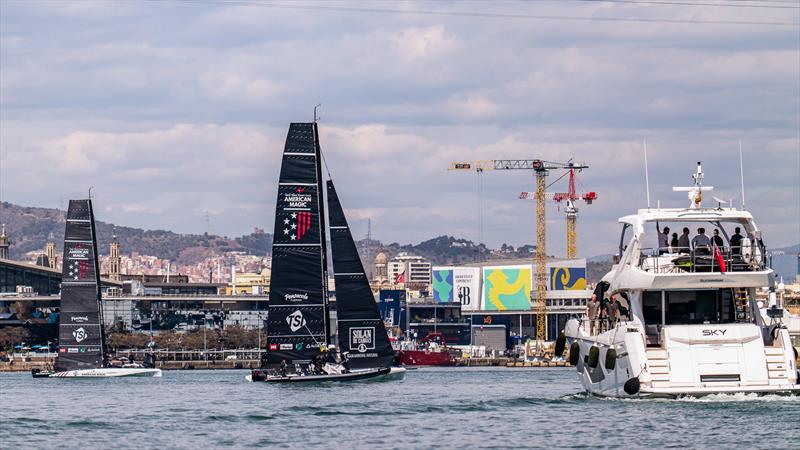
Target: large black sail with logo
298,299
361,331
81,343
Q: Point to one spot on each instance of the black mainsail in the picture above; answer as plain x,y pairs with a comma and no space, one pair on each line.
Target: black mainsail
361,331
81,340
298,306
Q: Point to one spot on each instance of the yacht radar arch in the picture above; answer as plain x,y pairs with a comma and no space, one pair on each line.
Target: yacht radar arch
695,192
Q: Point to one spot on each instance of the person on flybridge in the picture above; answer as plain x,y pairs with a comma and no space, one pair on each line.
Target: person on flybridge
663,240
683,241
717,239
701,243
736,241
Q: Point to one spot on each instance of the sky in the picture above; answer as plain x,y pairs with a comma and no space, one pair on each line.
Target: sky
175,112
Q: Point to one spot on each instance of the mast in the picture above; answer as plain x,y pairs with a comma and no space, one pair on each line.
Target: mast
322,223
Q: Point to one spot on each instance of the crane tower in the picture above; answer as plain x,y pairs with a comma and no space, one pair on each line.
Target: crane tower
570,199
540,169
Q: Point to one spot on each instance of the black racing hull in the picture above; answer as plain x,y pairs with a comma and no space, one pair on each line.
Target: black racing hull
261,375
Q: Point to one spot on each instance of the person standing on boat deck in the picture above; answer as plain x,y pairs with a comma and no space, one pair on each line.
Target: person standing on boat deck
736,242
683,241
612,311
283,368
673,243
701,243
663,240
717,239
592,312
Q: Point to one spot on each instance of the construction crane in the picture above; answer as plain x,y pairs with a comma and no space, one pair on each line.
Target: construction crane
540,169
571,210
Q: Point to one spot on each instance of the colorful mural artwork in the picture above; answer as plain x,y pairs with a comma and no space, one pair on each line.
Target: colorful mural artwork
443,285
507,288
567,278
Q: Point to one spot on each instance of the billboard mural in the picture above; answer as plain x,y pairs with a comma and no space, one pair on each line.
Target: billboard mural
442,284
507,288
567,278
467,287
457,285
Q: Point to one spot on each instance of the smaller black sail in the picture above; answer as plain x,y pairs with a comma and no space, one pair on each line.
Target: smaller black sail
81,343
362,333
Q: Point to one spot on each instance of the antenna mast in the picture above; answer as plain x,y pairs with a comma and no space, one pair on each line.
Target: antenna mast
646,175
741,172
315,111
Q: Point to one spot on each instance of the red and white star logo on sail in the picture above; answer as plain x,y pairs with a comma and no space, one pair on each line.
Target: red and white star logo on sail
298,225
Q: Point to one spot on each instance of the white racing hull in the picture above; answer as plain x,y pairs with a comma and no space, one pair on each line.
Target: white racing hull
109,372
692,362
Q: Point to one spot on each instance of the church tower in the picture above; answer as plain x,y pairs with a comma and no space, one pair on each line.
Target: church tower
50,252
4,243
114,260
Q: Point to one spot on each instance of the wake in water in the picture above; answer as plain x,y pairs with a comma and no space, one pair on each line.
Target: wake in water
741,397
712,398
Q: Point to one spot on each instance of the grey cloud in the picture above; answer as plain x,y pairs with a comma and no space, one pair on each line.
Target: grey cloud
174,109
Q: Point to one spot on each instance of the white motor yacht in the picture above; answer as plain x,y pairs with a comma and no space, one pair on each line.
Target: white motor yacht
690,322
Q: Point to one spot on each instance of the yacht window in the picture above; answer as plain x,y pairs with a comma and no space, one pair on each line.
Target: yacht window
700,306
651,307
624,238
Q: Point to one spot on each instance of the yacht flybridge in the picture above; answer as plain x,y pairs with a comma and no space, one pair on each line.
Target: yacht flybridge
690,324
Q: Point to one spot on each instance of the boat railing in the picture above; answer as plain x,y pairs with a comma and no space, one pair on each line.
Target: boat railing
672,260
594,327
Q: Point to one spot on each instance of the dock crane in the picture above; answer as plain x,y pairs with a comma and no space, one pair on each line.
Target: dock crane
540,169
570,198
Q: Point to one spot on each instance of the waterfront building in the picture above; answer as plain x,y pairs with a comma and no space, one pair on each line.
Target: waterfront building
501,294
249,283
409,271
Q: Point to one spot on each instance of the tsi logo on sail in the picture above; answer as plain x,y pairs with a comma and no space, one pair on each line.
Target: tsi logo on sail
79,334
295,321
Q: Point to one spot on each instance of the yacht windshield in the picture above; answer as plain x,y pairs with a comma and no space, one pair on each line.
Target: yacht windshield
687,307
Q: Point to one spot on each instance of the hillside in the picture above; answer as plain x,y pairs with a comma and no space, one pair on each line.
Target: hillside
30,227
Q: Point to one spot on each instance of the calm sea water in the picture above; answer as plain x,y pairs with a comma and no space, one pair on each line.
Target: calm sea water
443,408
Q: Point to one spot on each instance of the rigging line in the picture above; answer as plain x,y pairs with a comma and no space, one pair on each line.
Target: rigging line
325,163
689,3
556,180
312,335
488,14
766,1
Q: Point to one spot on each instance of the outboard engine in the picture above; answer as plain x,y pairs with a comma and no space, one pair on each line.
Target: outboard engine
149,361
